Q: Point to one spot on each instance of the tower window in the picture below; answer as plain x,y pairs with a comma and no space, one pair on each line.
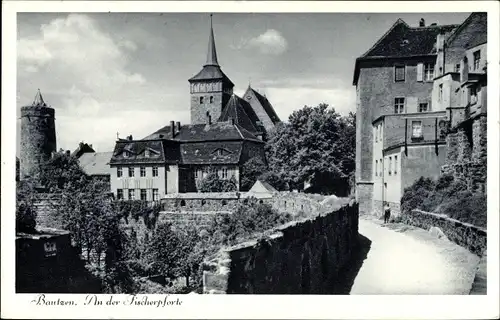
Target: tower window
201,100
211,99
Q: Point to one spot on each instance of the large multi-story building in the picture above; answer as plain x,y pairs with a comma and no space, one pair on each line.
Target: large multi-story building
225,132
421,109
400,131
461,88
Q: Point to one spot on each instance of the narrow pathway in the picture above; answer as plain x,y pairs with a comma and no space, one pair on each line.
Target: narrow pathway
411,261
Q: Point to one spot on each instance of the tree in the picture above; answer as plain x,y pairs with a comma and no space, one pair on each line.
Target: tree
62,172
317,145
25,211
212,183
251,171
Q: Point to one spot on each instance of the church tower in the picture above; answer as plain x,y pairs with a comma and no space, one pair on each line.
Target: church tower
210,89
38,136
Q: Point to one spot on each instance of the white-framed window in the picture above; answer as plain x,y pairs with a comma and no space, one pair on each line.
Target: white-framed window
399,105
224,173
131,194
477,59
143,171
395,164
156,195
146,153
119,194
423,107
429,71
416,129
376,168
390,165
155,171
144,195
119,172
399,73
131,172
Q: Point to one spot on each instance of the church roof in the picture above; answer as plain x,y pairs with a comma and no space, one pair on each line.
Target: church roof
241,112
95,163
210,72
212,53
266,105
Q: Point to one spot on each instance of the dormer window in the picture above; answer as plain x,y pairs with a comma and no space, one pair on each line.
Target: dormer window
125,154
146,153
220,152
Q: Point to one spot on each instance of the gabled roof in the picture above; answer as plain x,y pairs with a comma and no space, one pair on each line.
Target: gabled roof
265,104
217,131
96,163
402,41
262,187
82,148
241,112
480,34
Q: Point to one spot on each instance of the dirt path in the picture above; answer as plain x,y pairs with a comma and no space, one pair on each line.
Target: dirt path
402,260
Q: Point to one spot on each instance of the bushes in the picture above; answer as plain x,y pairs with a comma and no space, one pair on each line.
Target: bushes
447,196
212,183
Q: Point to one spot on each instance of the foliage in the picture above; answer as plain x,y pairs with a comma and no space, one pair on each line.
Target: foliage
447,196
317,145
25,211
250,172
212,183
63,173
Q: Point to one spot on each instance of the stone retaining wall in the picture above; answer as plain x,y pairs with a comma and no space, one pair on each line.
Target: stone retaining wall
301,257
464,234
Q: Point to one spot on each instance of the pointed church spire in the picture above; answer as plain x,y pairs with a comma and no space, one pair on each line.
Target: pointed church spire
39,100
212,53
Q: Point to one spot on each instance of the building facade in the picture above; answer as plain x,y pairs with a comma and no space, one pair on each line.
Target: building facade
464,78
400,132
225,132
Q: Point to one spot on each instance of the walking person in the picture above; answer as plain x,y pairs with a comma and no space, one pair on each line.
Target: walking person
387,212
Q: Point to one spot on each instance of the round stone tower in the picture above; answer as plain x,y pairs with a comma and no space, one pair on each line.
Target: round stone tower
38,136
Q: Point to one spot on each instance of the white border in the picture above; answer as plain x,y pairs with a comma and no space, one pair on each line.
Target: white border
249,306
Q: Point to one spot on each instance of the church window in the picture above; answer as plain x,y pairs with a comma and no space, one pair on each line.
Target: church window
201,100
211,99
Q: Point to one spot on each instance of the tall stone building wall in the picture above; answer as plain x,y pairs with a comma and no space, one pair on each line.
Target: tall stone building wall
38,138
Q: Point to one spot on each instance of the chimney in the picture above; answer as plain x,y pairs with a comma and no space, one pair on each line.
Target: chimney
172,128
178,125
421,23
68,153
440,55
130,138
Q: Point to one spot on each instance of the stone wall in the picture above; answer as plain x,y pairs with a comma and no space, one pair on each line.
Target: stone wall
464,234
301,257
364,196
466,156
46,211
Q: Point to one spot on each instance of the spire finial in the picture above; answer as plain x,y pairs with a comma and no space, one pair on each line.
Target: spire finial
38,101
212,53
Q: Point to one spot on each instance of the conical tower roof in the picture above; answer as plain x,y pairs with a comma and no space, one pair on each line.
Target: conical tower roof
212,52
38,101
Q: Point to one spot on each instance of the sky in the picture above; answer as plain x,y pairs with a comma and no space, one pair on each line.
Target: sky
127,73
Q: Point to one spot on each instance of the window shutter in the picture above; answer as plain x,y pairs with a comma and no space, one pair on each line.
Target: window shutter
420,72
